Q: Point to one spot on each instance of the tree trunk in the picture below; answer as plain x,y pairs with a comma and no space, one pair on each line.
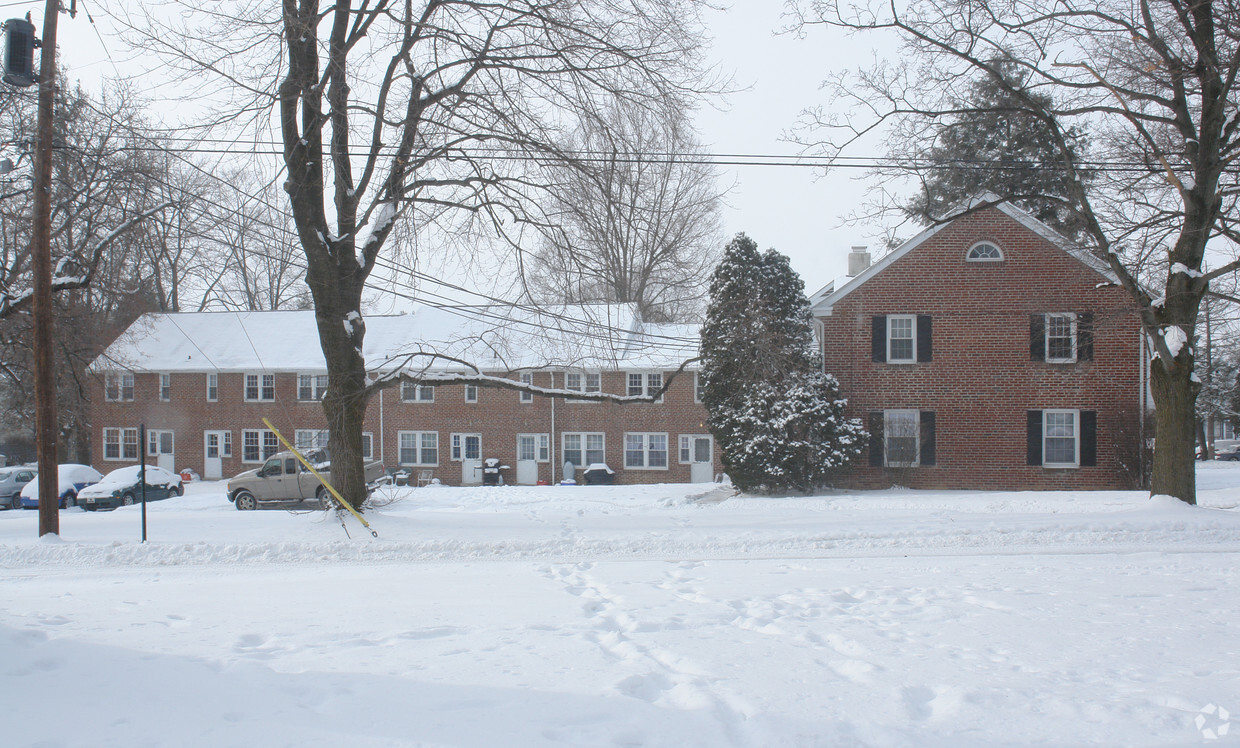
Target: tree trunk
1175,398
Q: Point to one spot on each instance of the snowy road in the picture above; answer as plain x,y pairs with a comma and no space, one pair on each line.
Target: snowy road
630,617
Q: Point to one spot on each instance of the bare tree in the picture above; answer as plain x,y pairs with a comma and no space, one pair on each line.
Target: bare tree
636,217
435,111
1153,81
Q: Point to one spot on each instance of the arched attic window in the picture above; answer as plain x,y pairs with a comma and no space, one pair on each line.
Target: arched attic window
984,252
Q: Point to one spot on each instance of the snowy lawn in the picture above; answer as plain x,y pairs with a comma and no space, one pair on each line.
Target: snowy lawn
630,616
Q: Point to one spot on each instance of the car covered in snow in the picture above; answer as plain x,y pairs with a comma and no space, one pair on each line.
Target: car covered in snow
283,479
72,478
12,480
123,487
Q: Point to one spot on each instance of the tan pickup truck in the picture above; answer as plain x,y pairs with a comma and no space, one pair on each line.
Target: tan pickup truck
284,480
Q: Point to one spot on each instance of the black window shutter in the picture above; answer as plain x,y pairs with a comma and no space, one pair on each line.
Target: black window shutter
878,340
1037,338
923,337
927,437
1085,336
1033,432
1089,438
876,438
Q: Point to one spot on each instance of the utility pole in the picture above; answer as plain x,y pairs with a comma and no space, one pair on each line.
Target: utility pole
46,426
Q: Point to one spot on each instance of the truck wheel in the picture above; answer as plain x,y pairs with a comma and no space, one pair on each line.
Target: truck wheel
245,501
127,499
70,500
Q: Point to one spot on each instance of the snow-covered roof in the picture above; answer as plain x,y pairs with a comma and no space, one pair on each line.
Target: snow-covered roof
826,298
493,338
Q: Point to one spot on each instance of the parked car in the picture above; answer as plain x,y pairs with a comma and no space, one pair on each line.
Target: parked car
12,480
1231,453
123,487
283,479
72,478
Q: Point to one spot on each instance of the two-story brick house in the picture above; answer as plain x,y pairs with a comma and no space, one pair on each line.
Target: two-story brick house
201,383
989,353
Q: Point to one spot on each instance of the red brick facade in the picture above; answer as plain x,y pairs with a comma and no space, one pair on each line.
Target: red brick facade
497,417
984,393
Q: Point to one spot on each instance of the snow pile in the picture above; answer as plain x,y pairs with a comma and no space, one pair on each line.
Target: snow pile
644,615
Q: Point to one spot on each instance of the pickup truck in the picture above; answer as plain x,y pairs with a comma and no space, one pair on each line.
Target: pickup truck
283,479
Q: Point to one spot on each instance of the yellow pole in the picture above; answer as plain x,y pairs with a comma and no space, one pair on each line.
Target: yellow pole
317,474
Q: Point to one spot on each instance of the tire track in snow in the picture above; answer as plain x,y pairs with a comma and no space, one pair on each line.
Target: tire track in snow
664,678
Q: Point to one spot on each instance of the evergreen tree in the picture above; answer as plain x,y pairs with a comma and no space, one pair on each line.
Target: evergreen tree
778,419
997,144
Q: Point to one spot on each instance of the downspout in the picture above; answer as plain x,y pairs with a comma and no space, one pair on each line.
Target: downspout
1143,363
551,446
381,435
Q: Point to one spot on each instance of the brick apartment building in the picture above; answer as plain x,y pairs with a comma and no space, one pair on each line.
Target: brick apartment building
201,383
988,353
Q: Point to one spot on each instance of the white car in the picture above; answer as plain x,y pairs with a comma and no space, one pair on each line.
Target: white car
121,487
73,478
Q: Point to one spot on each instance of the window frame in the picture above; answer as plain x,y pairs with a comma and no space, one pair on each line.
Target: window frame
419,392
122,441
316,392
969,254
526,378
263,392
457,449
264,439
583,448
302,446
1076,437
154,442
1072,337
911,319
699,388
471,389
889,417
646,449
419,447
118,386
646,383
213,387
586,385
165,387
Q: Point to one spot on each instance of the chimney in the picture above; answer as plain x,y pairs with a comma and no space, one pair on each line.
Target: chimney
858,261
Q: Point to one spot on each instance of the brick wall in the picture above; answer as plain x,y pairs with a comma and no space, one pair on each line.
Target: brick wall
497,416
981,379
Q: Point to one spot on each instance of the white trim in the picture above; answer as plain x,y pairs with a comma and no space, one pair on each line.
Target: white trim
583,449
120,433
316,394
526,378
260,387
165,387
646,387
210,377
418,448
456,446
1072,335
1076,437
263,445
912,320
968,255
645,450
119,378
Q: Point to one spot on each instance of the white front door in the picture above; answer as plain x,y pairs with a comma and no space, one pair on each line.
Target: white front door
468,449
698,451
213,454
159,445
531,450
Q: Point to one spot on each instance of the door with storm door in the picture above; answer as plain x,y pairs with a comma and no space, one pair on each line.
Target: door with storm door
698,451
531,450
215,445
468,449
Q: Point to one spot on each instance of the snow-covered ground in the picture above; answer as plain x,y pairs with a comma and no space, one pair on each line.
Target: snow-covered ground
630,616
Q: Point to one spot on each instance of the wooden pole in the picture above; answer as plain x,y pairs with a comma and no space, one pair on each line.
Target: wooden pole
46,427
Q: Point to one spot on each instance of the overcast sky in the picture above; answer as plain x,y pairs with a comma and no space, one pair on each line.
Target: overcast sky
793,209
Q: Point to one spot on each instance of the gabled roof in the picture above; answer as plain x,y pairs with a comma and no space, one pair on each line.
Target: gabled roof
494,338
825,299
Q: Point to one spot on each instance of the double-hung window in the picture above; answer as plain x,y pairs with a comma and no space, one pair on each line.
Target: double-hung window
165,387
260,387
584,449
645,451
411,392
310,438
120,444
1061,337
258,444
311,386
527,378
583,381
645,384
213,387
419,447
902,338
699,388
1063,438
902,437
471,393
118,386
